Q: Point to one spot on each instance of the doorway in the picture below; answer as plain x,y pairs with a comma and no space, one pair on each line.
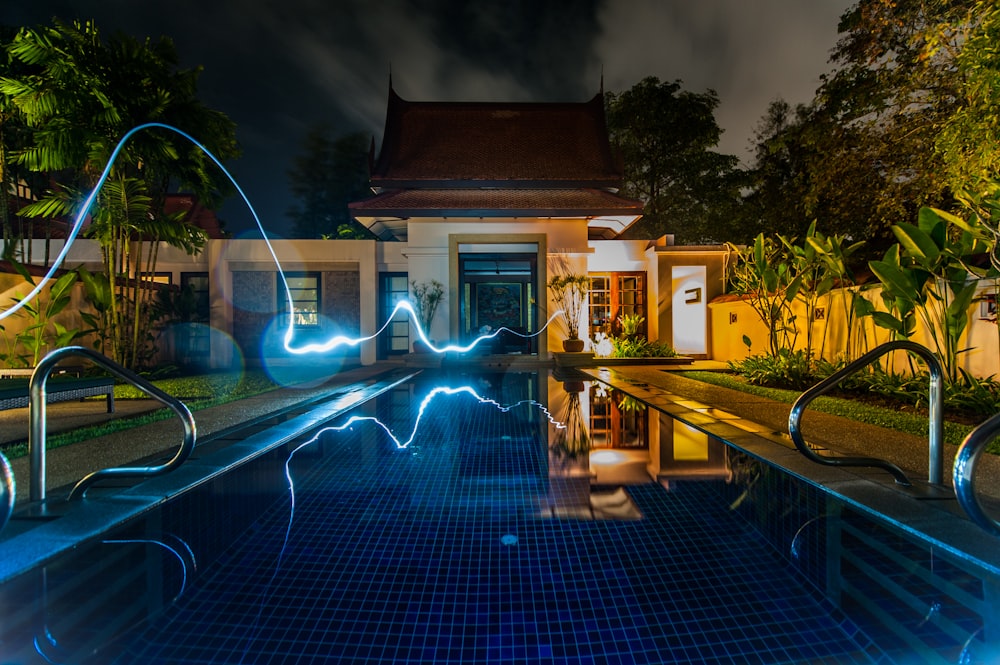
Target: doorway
499,291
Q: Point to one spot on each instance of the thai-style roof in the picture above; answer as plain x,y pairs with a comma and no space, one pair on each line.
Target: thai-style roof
495,160
481,144
582,202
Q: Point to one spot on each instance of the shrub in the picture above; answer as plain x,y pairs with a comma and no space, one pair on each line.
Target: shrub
625,347
786,369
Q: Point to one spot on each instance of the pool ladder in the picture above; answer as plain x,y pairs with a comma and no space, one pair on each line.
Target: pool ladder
969,452
935,463
37,424
964,474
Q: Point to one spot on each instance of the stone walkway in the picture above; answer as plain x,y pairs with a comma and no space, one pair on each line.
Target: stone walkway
67,464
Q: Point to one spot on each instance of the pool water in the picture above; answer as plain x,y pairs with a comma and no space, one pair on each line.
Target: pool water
473,542
501,518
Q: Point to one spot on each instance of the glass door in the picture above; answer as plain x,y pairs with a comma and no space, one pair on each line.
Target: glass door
393,288
499,292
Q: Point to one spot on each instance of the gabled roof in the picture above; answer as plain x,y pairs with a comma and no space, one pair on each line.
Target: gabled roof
487,144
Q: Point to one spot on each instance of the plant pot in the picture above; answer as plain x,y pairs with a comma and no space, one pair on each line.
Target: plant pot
573,345
420,347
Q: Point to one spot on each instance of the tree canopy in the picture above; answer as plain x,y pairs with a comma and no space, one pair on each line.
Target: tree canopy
665,137
67,98
325,177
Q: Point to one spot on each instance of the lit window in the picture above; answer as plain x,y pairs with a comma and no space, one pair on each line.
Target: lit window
304,289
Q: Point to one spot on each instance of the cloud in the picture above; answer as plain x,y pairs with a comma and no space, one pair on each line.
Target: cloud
278,68
750,53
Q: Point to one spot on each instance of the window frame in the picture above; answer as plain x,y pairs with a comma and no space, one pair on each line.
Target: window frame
295,293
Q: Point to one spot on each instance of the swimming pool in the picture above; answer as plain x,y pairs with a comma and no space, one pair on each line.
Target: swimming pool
461,518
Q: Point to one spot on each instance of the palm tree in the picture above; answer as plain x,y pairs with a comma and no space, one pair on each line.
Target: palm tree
78,95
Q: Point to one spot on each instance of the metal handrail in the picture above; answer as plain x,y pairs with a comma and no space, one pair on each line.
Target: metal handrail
964,473
37,422
935,464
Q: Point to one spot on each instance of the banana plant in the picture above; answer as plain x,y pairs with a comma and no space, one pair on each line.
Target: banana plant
819,265
927,277
44,332
762,274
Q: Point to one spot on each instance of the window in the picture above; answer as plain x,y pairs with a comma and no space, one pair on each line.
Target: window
396,338
613,295
617,420
194,343
305,294
197,283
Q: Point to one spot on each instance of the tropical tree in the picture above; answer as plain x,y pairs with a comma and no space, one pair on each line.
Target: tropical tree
77,95
762,274
665,136
328,175
969,141
794,179
884,105
818,265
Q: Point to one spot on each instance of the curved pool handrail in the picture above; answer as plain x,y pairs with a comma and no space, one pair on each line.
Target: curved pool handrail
8,490
964,473
935,464
37,423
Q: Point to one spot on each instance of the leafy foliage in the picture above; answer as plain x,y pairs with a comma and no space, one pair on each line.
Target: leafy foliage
43,333
665,136
640,347
969,141
329,174
74,95
927,275
785,369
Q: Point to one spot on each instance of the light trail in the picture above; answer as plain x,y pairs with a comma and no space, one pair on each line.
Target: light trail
400,445
322,347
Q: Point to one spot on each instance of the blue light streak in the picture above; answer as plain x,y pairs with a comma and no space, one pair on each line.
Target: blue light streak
400,445
322,347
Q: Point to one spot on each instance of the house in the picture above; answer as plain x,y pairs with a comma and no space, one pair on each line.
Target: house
490,200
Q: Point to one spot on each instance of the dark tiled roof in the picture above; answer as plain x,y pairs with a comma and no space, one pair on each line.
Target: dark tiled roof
471,144
496,203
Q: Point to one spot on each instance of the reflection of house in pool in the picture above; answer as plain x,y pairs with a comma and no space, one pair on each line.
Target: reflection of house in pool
626,443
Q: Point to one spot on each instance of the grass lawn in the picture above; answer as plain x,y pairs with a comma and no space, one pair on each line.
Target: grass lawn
197,392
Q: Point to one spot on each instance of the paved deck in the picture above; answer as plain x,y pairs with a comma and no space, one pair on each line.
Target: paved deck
67,464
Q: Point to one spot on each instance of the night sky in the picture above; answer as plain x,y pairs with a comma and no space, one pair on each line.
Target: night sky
279,67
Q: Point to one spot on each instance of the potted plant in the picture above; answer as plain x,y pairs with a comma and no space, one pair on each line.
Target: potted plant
426,298
570,292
